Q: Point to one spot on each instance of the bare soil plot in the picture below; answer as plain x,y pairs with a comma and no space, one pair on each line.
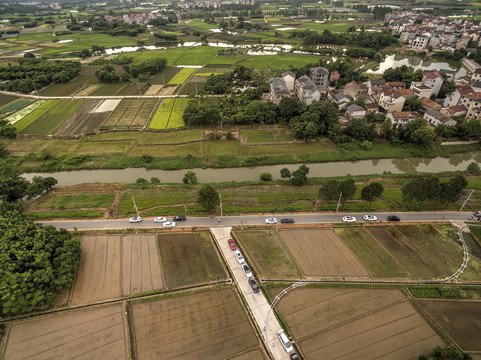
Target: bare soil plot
87,90
208,325
112,266
189,258
83,121
329,323
95,333
322,253
266,251
153,90
461,320
168,90
107,105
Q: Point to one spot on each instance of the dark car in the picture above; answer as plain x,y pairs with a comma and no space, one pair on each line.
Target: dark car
254,285
287,221
393,218
477,214
294,356
180,218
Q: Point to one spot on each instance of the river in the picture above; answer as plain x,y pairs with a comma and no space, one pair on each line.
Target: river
329,169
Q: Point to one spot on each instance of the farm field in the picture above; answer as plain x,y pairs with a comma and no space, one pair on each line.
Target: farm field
282,61
20,114
131,113
322,253
182,76
266,135
189,258
84,120
266,251
28,120
225,60
459,319
348,323
169,115
112,266
5,99
408,251
206,325
165,76
74,201
86,77
94,333
50,120
297,148
261,62
15,105
198,55
192,87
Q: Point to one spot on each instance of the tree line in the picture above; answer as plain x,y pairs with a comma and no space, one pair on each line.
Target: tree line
142,71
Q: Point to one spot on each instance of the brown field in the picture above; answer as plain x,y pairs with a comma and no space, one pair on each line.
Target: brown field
153,90
80,120
189,258
95,333
322,253
112,266
208,325
168,90
333,323
461,320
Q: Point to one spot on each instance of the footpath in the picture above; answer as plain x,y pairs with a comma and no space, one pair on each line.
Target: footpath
257,303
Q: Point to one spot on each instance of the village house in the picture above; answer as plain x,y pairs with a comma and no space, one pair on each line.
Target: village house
351,89
456,110
306,90
354,111
430,104
320,77
400,118
278,90
435,118
289,79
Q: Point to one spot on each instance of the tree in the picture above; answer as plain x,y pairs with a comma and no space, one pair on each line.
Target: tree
285,173
299,177
329,191
208,198
7,130
371,192
37,262
473,168
452,190
358,129
266,176
190,177
348,190
412,104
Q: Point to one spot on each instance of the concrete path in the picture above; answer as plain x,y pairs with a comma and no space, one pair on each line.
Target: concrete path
257,302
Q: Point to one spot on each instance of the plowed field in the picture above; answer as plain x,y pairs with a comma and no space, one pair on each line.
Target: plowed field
112,266
95,333
209,325
83,121
356,324
322,253
461,320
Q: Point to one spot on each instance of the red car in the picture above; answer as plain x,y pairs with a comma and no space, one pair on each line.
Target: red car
232,244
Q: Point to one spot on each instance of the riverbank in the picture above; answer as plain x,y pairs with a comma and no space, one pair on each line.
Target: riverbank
115,200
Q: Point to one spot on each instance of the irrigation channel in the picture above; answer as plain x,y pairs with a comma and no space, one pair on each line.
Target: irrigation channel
455,162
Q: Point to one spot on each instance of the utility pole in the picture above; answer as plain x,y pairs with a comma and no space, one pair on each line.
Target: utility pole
138,87
220,200
339,201
135,206
466,201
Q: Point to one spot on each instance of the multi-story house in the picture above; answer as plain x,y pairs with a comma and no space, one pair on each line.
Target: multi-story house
435,118
433,80
320,77
278,90
306,90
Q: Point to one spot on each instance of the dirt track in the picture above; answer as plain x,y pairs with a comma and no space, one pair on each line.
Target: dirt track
209,325
112,266
356,324
95,333
322,253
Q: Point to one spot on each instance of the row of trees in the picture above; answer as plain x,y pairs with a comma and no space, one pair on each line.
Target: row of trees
142,71
33,74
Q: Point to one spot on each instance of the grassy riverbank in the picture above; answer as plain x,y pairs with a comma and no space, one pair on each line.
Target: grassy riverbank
115,200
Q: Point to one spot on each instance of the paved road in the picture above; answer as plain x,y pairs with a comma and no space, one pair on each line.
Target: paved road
319,218
256,302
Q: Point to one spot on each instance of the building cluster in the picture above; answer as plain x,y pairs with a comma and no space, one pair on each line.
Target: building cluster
422,31
383,97
212,4
136,18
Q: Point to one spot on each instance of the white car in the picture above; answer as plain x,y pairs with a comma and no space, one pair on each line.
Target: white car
369,218
239,257
135,219
169,224
247,270
271,221
160,219
348,219
285,341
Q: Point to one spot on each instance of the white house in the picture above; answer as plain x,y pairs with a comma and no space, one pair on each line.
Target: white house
289,78
435,118
278,90
400,118
354,111
433,80
306,90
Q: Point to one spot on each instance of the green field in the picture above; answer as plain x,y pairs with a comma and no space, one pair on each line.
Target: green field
15,106
281,134
164,77
169,115
182,76
20,114
298,148
34,115
212,148
283,61
225,60
198,55
260,62
51,119
61,202
5,99
171,55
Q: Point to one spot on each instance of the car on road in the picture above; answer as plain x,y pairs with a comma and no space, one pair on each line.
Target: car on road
135,219
349,219
294,356
239,257
271,221
247,271
287,221
369,218
477,214
285,341
169,224
232,245
254,285
160,219
180,218
393,218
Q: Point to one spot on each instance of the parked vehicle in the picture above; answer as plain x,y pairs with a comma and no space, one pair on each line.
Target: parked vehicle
285,341
254,285
294,356
349,219
369,218
169,224
393,218
232,245
247,270
160,219
180,218
287,221
271,221
135,219
239,257
477,214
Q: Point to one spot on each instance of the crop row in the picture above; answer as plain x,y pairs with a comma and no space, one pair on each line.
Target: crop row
169,115
35,115
15,106
181,76
20,114
175,120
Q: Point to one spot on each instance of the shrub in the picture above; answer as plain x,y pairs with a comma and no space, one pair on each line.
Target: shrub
155,180
266,177
229,135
